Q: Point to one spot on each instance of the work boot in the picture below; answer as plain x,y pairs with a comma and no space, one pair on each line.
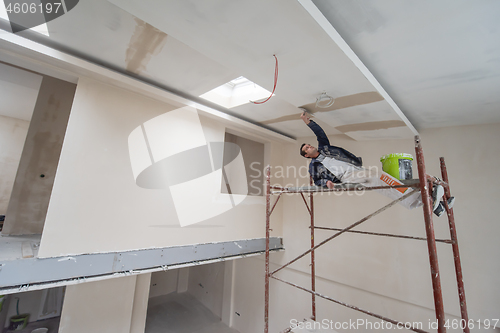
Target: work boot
437,194
451,202
439,209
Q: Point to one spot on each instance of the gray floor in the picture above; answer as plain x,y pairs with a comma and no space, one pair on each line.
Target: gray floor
11,246
182,313
52,324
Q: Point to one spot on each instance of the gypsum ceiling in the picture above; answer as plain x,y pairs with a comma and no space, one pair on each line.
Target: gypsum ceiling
193,47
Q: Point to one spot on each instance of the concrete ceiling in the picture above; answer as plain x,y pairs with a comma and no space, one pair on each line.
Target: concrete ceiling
438,61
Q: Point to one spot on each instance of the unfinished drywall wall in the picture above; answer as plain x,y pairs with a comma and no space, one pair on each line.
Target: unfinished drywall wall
182,279
228,293
169,281
140,307
206,284
38,164
96,198
12,137
103,306
253,155
164,283
388,276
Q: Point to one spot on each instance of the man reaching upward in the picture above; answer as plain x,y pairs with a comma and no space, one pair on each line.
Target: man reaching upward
332,164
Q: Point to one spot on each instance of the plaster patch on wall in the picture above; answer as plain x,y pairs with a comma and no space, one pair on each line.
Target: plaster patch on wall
340,103
371,126
146,42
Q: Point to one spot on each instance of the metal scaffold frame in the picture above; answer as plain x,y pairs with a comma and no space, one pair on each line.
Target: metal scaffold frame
424,185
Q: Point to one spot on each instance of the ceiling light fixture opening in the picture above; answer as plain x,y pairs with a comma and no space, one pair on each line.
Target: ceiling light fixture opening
236,92
324,101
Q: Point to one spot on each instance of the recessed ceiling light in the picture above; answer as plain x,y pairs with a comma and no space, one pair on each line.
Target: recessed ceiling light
236,92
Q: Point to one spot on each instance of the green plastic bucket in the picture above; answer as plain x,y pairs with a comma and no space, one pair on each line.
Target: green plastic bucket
19,322
397,165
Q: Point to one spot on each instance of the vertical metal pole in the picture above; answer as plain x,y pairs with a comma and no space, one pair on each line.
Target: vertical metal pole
431,241
268,217
313,263
456,254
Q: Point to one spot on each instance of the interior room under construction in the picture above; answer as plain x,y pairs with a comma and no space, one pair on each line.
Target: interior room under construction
152,181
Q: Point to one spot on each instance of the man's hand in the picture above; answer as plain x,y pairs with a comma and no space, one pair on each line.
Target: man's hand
305,117
330,184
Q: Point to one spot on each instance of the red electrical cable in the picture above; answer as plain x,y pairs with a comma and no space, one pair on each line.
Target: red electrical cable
275,81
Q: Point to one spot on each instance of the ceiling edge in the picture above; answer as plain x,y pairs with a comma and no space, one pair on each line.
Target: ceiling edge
39,53
318,16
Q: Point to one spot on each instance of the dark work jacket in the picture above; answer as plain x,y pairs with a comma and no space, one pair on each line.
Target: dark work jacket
320,174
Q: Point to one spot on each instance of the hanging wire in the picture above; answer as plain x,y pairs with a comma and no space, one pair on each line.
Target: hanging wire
275,81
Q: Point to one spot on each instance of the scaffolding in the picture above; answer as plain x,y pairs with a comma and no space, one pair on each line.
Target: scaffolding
424,185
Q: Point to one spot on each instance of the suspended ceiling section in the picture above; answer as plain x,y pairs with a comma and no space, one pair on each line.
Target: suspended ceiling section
437,63
243,36
439,60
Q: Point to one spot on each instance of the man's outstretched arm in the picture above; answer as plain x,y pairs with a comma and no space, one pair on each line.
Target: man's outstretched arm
320,134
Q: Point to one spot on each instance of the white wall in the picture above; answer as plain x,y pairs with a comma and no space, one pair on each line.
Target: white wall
163,283
103,306
206,284
140,307
12,136
388,276
95,198
116,305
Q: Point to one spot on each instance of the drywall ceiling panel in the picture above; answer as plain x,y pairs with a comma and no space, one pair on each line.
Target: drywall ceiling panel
226,32
377,111
105,34
302,130
439,60
289,121
263,113
173,63
394,133
366,122
308,59
191,47
18,92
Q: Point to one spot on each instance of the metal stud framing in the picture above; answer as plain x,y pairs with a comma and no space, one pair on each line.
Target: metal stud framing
424,185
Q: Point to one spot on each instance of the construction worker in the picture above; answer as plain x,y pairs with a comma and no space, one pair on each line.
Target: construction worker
331,164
